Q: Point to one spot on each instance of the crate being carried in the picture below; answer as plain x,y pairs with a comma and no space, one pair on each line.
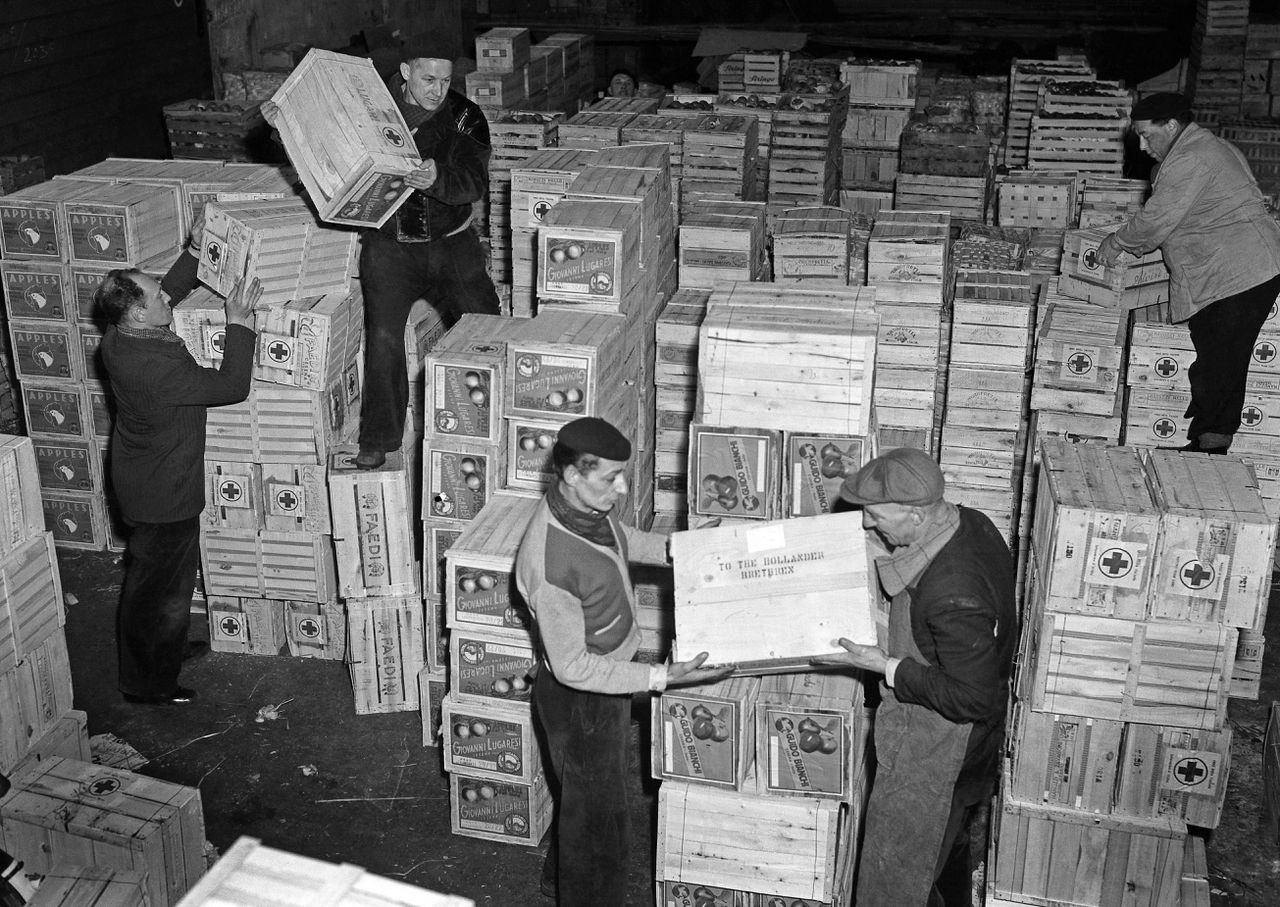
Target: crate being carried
348,139
1132,282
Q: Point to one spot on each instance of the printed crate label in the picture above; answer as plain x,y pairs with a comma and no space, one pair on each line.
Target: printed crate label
733,474
698,739
484,595
98,237
480,741
380,194
817,466
462,400
64,467
35,294
495,670
685,894
71,521
438,542
581,267
807,751
54,412
43,354
458,484
493,807
28,230
552,384
529,458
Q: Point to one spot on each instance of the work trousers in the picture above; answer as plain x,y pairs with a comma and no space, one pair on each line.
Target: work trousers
586,736
450,274
1223,334
155,605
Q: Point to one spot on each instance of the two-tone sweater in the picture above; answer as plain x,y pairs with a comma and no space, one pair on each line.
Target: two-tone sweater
583,602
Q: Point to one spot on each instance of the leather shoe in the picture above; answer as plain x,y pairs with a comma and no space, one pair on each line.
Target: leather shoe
368,458
180,696
195,648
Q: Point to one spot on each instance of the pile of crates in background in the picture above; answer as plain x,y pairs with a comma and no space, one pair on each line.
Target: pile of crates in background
882,94
1216,67
513,72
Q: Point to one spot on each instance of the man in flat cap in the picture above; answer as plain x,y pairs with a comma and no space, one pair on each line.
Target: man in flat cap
952,632
1222,249
572,571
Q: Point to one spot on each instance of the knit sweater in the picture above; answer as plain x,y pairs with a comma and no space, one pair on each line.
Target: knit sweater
161,394
583,602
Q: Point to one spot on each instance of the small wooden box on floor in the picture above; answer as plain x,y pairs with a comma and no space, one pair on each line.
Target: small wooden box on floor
62,810
251,875
31,607
373,525
769,596
509,812
35,695
706,734
385,652
348,139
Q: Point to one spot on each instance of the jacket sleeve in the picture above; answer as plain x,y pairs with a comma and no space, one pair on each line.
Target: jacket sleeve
1181,181
187,383
462,162
965,683
180,279
646,547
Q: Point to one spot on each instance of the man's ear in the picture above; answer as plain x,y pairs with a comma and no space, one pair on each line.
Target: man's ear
404,71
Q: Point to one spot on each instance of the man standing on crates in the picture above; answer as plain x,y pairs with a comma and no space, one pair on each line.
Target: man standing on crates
429,248
572,571
157,460
1222,249
952,631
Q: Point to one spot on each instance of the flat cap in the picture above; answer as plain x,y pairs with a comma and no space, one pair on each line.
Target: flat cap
595,436
903,475
1163,105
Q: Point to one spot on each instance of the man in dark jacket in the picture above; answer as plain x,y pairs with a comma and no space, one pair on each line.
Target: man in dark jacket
428,248
157,460
952,631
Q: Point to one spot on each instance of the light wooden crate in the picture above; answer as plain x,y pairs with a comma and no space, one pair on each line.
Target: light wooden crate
540,180
45,351
590,251
246,626
1029,198
373,517
812,736
1063,761
252,875
23,518
908,246
502,49
509,812
37,291
279,424
1214,559
347,138
594,129
480,588
35,694
31,225
63,810
722,241
1174,772
567,364
812,244
316,629
290,566
491,740
783,846
385,652
762,596
1246,672
123,223
881,81
68,884
963,196
706,734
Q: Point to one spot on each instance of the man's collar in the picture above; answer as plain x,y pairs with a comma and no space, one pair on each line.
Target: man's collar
903,566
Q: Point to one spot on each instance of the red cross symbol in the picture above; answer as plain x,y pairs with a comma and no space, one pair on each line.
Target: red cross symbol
309,627
100,787
1251,415
1164,428
218,341
229,626
279,351
287,500
230,491
1196,575
540,210
1264,352
1080,363
1166,367
1115,562
1190,771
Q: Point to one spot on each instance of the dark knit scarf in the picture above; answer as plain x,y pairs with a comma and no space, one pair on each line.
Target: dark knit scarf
594,526
164,334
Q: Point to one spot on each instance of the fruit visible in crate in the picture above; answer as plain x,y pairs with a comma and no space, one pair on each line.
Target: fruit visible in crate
519,684
462,730
502,686
727,485
545,440
575,250
474,481
573,395
479,728
472,379
832,467
470,794
478,396
557,254
808,451
467,466
828,743
556,400
468,584
528,442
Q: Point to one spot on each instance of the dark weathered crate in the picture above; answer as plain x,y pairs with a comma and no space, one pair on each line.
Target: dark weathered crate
18,171
223,130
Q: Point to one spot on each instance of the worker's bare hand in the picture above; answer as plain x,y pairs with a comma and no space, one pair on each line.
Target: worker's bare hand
868,658
197,234
684,673
1109,252
270,111
240,305
424,177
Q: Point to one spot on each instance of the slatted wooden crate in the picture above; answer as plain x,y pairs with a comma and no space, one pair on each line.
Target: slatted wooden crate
908,246
37,291
502,49
1213,563
647,189
22,518
35,697
515,134
316,629
246,626
215,130
882,82
868,168
874,127
568,364
1080,358
1025,78
963,197
458,478
479,587
811,736
1083,143
594,129
1064,761
1159,352
779,846
238,179
1050,855
812,244
761,596
505,811
279,424
590,251
289,566
30,224
706,734
1096,533
722,241
373,532
17,171
1174,772
124,224
62,810
385,652
31,607
945,150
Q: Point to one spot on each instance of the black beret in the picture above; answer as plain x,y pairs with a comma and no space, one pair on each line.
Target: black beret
595,436
431,46
1163,105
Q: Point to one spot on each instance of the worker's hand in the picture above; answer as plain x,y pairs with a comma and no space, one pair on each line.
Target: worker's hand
424,177
240,305
685,673
270,111
197,234
1109,252
868,658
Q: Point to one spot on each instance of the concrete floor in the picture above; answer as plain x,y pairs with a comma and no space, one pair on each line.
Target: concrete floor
377,798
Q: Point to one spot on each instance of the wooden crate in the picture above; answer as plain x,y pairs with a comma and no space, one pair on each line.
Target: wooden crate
459,478
962,196
246,626
102,886
884,82
37,291
678,893
722,241
1048,855
1214,559
289,566
30,599
490,664
814,467
1096,531
774,845
1159,355
67,465
502,49
349,141
1174,772
735,472
35,694
1064,761
294,498
76,520
17,171
45,351
233,496
63,810
874,126
590,251
812,244
215,130
252,875
540,180
706,734
1246,672
529,444
124,224
908,247
761,595
432,688
496,89
1147,672
480,589
490,740
594,129
279,424
945,150
567,364
1029,198
509,812
385,652
316,629
31,225
811,736
22,518
373,531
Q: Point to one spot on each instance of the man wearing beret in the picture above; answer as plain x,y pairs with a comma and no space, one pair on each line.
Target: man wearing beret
946,666
572,571
1222,248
